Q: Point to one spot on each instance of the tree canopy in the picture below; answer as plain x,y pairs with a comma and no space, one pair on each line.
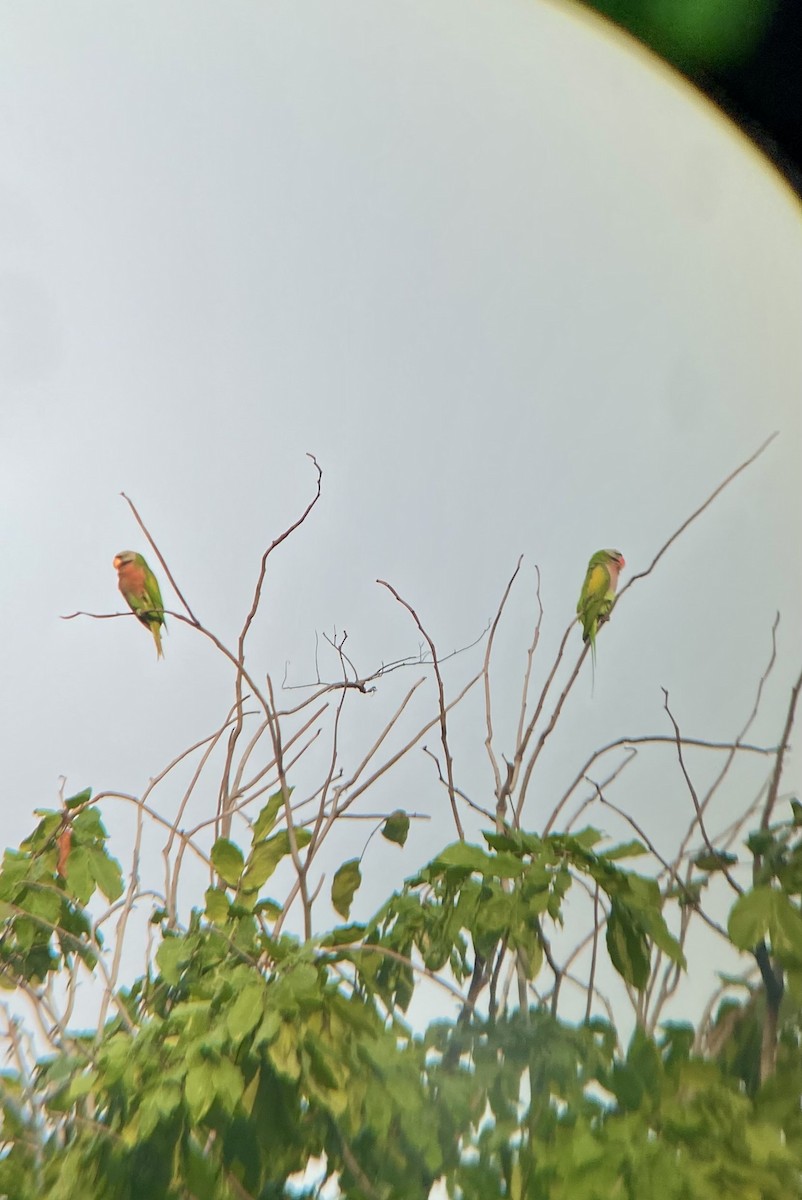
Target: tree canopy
266,1051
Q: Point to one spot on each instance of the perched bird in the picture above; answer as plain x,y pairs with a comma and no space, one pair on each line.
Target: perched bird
141,592
598,594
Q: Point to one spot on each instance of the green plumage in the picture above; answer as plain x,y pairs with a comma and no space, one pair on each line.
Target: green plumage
141,592
598,594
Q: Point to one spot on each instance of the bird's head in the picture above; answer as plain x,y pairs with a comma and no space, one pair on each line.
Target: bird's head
617,557
124,559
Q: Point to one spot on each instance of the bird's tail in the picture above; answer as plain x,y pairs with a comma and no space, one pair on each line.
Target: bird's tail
157,637
592,640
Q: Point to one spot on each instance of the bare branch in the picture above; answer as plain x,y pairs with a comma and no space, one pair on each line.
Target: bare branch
692,790
282,537
442,702
160,557
486,673
697,513
594,951
646,739
738,743
462,795
239,662
530,655
774,786
122,923
670,868
541,741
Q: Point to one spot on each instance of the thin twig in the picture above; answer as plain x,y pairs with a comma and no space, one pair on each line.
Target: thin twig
670,868
738,743
160,557
486,673
697,513
774,786
594,951
541,741
647,740
441,695
692,790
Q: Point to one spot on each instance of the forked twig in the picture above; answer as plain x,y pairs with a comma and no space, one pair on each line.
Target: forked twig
695,798
441,695
160,557
697,513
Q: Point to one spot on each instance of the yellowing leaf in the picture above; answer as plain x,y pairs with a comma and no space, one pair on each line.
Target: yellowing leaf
246,1011
267,817
227,861
343,887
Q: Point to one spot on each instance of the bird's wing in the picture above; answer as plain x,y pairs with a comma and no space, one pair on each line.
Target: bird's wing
597,582
152,594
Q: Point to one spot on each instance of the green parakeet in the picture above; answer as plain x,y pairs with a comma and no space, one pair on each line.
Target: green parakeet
598,593
141,592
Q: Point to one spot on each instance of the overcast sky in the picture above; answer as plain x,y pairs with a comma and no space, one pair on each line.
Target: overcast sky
514,284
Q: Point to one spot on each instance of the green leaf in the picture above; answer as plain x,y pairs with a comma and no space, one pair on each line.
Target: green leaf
644,1057
283,1052
786,927
796,809
474,858
677,1040
512,839
263,860
170,957
265,857
269,1029
396,827
654,925
42,902
227,1083
267,817
627,946
587,838
761,841
80,798
80,880
343,887
750,916
199,1090
461,854
344,935
107,872
250,1092
227,860
246,1011
493,917
159,1104
633,849
81,1085
217,905
88,825
716,860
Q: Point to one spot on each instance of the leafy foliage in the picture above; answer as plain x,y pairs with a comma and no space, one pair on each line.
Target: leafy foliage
247,1055
247,1062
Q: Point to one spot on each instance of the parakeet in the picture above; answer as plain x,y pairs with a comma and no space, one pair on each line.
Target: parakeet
598,593
141,592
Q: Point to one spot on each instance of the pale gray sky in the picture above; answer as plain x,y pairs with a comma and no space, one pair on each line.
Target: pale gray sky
517,287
